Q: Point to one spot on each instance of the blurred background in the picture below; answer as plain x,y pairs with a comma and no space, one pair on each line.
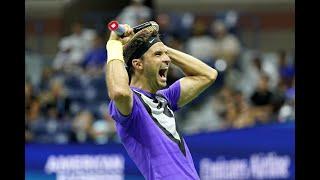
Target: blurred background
242,127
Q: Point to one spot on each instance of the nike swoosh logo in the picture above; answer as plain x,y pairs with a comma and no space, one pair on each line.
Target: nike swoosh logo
152,40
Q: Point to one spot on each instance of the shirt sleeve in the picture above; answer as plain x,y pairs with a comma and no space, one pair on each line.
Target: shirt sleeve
122,119
172,94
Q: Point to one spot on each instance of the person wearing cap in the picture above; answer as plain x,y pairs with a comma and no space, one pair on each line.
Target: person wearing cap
142,105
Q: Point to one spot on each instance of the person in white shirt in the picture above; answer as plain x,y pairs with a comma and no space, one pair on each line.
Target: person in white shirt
135,14
72,48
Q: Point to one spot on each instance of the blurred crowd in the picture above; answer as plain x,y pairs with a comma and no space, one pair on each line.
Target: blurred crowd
69,102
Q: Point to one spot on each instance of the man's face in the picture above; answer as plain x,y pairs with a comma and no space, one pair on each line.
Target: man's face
156,65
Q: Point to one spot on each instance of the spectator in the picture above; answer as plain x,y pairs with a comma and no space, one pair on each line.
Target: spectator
233,109
262,100
223,107
112,134
96,56
56,97
244,117
30,95
226,46
100,131
290,92
252,68
166,29
57,129
286,70
32,110
46,76
32,116
205,117
287,110
28,134
200,44
82,128
72,48
135,14
278,98
262,95
38,128
231,21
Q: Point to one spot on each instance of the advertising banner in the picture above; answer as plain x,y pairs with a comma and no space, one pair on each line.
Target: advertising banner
263,152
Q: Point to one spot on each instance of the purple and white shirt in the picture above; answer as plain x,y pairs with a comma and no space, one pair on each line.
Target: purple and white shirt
150,136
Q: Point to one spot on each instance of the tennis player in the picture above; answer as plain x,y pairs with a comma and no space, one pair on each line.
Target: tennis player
143,108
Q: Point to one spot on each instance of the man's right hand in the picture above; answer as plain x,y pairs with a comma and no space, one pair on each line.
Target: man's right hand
127,35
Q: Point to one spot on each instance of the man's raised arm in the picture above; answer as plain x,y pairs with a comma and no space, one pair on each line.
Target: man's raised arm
199,75
116,75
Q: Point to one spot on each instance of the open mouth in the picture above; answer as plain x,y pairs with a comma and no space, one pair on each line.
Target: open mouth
163,73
